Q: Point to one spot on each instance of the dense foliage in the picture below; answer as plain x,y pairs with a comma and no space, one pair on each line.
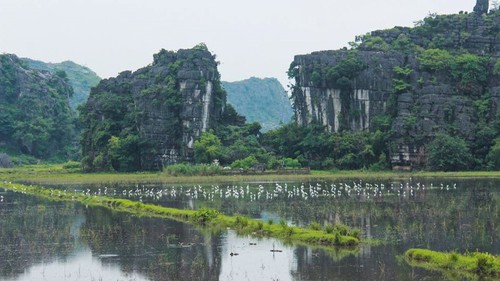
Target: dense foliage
36,121
81,78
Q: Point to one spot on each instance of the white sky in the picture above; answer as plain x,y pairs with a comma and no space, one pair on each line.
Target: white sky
251,38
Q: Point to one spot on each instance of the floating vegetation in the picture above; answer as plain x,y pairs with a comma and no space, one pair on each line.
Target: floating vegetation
470,265
202,217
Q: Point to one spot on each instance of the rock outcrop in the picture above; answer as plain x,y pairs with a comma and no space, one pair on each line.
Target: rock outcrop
154,114
482,6
393,78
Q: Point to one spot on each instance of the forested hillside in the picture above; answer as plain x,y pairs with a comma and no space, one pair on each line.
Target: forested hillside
81,78
260,100
36,121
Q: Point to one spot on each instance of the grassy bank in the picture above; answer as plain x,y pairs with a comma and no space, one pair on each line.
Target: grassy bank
204,217
472,265
59,174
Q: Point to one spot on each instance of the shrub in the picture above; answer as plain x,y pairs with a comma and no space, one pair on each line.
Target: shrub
329,228
270,221
314,225
446,153
342,229
355,232
204,216
5,161
453,257
71,165
484,262
283,223
192,170
260,225
241,221
245,163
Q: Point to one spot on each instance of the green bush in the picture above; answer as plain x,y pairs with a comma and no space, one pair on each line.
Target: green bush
315,225
245,163
447,153
70,165
283,223
241,221
205,216
192,170
329,228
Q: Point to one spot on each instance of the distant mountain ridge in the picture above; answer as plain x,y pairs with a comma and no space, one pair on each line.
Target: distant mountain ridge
262,100
81,78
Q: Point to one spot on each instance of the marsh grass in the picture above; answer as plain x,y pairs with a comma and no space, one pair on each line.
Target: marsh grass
68,174
468,265
204,217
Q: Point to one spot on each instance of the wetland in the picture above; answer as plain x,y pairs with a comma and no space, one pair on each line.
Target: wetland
45,239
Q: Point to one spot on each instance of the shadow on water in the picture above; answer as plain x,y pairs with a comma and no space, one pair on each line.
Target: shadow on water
39,237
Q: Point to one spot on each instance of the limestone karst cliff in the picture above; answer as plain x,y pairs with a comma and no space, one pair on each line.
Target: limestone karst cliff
442,76
145,119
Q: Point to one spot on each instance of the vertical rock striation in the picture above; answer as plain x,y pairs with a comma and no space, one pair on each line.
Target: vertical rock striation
394,75
153,114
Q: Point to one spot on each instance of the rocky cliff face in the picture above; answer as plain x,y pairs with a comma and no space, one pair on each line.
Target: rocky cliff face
153,115
35,117
438,77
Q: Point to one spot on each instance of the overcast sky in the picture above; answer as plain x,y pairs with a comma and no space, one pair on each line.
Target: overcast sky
251,38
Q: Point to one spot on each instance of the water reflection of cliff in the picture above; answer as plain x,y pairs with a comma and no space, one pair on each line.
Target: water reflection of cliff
32,231
442,218
158,248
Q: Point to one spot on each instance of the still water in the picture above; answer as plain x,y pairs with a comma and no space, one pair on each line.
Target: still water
41,240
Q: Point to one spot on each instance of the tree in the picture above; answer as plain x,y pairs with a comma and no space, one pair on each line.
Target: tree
435,60
207,148
447,153
493,158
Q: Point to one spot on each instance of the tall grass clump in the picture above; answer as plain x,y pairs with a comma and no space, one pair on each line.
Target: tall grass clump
314,225
205,216
469,264
192,170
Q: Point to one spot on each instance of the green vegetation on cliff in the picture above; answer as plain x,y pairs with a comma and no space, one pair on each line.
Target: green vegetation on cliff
149,118
260,100
36,121
422,97
81,78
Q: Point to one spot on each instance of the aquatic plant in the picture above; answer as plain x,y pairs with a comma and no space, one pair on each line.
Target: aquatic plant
469,264
314,225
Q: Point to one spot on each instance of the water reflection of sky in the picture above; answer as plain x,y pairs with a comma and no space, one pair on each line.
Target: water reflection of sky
256,262
441,218
79,266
